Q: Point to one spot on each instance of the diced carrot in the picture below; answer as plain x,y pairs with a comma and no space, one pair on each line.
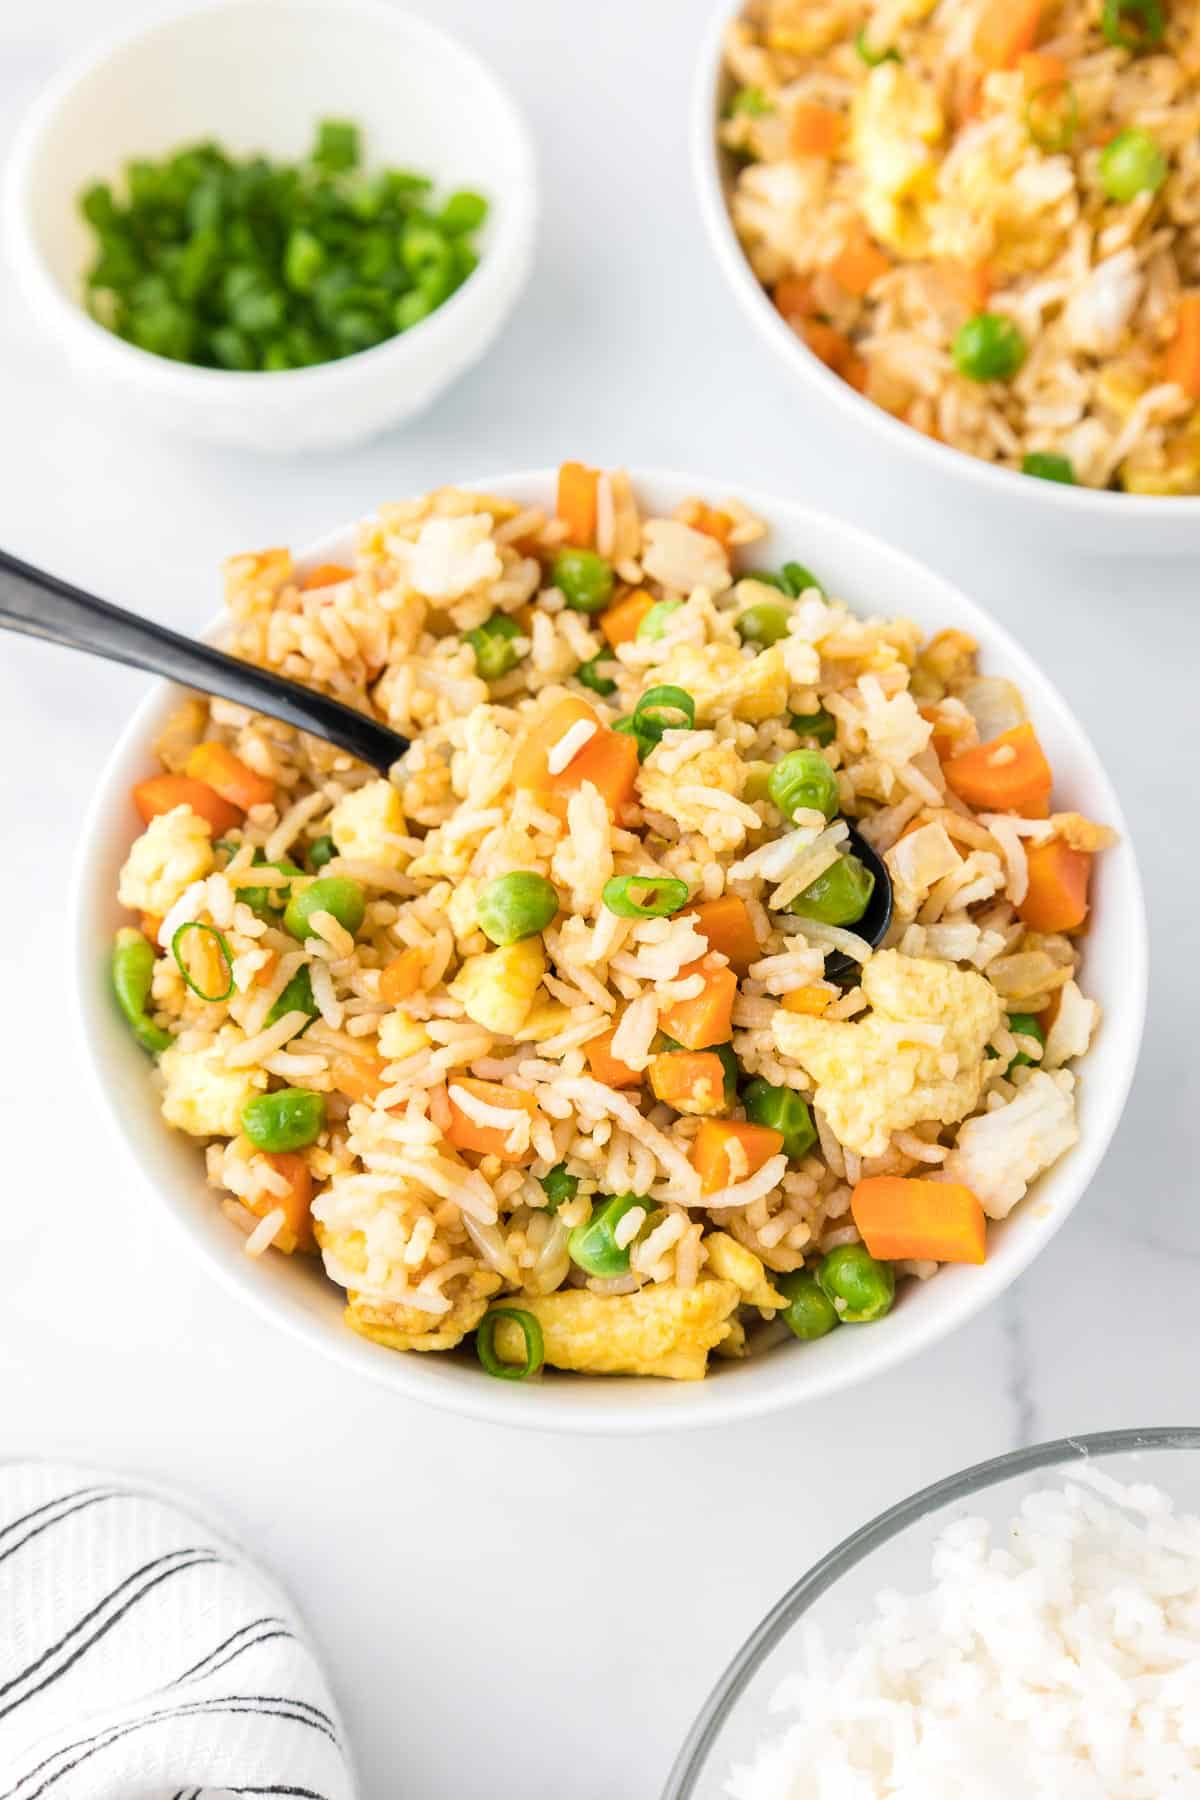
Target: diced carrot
298,1199
151,925
827,345
267,968
968,284
609,759
692,1081
714,524
466,1133
727,925
708,1019
1009,774
1039,69
1007,29
1057,896
855,372
1182,362
815,130
711,1151
359,1077
577,486
812,1000
525,616
620,623
901,1219
605,1066
163,793
325,575
402,976
945,733
233,779
793,297
859,263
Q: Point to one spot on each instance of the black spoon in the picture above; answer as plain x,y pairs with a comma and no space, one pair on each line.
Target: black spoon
40,605
873,926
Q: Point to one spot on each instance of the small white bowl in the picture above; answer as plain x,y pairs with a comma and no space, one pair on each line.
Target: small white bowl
259,75
293,1292
1057,516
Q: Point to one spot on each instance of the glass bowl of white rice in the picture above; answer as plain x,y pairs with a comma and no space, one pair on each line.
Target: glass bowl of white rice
1029,1627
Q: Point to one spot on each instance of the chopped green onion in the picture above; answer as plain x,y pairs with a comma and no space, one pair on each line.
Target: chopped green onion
660,896
463,211
588,673
558,1187
628,728
492,643
336,148
322,850
654,626
820,726
799,579
768,579
1049,467
531,1331
1052,115
297,996
1025,1025
751,103
207,931
662,709
1133,24
873,58
132,973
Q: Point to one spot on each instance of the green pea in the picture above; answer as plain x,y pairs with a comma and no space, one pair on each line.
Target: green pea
802,781
588,674
729,1064
584,579
558,1187
492,643
335,894
1048,467
297,996
290,1119
820,726
762,624
516,906
838,897
267,901
809,1312
989,347
1025,1025
321,851
860,1288
1132,164
132,970
783,1110
593,1248
654,626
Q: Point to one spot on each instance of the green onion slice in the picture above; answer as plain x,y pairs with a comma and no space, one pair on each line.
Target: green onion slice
1133,24
873,58
531,1331
660,895
209,931
1052,115
662,709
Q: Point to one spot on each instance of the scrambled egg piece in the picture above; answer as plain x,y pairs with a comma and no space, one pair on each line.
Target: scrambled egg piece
896,123
545,1019
666,1331
1000,200
871,1079
174,850
449,556
202,1098
723,682
408,1328
497,988
401,1035
369,824
734,1262
999,1153
719,766
1175,470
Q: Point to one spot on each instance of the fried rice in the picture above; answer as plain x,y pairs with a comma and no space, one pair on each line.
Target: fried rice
903,167
479,1102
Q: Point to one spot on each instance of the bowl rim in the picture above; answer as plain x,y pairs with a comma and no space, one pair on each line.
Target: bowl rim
943,459
887,1525
516,218
684,1405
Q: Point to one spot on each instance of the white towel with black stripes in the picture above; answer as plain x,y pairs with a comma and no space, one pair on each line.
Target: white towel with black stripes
143,1657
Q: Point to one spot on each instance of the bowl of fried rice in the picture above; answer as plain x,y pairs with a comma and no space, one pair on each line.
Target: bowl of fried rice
546,1077
976,227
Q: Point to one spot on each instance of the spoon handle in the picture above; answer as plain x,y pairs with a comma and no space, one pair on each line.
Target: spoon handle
40,605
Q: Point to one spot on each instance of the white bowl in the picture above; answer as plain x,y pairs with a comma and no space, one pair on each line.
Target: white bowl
258,75
292,1291
1057,516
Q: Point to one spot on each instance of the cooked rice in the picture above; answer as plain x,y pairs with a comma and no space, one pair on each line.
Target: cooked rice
420,1224
943,198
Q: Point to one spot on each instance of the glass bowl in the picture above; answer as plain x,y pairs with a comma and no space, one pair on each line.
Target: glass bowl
893,1551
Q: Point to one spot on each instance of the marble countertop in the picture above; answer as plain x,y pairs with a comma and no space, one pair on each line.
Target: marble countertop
492,1602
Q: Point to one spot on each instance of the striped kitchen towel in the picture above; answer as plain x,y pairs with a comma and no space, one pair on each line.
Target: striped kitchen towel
142,1657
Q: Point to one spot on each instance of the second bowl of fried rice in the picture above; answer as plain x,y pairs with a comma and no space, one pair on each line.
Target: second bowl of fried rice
546,1078
975,226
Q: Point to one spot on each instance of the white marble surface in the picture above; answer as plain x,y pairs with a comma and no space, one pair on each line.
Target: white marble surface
520,1613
